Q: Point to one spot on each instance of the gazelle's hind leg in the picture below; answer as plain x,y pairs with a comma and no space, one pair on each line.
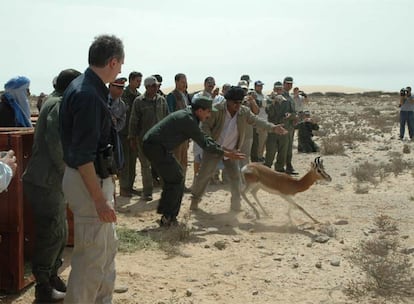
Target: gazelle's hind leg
246,189
292,202
254,191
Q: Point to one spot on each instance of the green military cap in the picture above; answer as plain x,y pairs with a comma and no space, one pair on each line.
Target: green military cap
288,79
204,102
278,85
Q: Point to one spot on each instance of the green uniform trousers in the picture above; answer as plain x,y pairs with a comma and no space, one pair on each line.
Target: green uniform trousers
172,176
290,136
127,174
147,186
49,212
280,144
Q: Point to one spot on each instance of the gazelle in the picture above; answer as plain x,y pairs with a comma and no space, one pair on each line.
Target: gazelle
258,176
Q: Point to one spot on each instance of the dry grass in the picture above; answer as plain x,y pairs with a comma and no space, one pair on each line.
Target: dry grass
166,239
388,272
332,147
366,172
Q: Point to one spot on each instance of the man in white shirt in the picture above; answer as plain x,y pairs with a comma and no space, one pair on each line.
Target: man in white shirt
227,125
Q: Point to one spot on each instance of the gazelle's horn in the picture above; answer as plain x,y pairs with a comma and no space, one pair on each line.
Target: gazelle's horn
317,160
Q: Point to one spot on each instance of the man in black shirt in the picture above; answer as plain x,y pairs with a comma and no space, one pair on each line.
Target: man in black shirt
87,134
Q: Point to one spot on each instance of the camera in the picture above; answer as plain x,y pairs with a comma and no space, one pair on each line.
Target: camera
403,92
301,93
105,164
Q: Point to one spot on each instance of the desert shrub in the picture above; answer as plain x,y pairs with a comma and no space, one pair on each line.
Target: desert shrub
384,123
406,149
361,189
335,94
332,147
388,271
372,93
372,111
343,113
366,172
396,165
316,94
351,135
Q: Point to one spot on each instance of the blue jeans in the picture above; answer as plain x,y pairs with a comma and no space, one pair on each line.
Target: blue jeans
406,117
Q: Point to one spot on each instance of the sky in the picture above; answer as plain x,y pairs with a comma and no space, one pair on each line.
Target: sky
357,43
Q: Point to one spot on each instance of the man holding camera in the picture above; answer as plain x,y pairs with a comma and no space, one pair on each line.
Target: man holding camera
89,141
300,98
406,112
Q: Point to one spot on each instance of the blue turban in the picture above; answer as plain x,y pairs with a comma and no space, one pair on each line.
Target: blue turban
16,94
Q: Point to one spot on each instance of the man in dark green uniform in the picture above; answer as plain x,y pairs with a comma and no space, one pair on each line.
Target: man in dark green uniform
42,185
279,111
159,143
290,122
127,174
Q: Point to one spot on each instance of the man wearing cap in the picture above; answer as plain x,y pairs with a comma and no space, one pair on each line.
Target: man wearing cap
290,121
277,109
147,110
127,174
259,135
246,78
44,192
159,80
116,105
300,99
179,99
228,127
159,143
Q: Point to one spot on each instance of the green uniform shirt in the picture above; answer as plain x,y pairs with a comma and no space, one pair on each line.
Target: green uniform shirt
146,113
177,128
128,97
276,112
46,166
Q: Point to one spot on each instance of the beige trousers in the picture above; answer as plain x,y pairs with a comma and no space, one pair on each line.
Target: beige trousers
92,277
180,154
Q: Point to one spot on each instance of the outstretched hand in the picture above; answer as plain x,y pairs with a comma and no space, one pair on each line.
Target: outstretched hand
234,154
278,129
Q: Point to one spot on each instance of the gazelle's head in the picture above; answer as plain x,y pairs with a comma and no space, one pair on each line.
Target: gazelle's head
319,170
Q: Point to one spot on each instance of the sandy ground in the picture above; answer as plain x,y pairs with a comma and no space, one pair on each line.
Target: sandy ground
235,258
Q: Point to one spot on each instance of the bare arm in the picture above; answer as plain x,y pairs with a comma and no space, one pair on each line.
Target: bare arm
7,169
103,207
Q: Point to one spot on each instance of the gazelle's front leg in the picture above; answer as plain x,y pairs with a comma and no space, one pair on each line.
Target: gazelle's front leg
290,200
246,189
254,191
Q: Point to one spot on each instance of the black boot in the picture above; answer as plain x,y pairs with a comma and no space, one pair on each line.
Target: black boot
57,283
45,293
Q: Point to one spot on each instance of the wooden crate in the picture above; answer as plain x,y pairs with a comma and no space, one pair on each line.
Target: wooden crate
16,222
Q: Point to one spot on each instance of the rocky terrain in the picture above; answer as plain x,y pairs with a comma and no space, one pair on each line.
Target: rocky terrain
218,256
